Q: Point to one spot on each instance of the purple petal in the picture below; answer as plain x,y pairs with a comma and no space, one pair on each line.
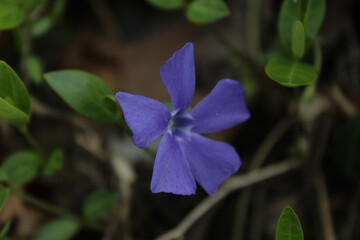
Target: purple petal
223,108
171,171
146,117
178,75
211,162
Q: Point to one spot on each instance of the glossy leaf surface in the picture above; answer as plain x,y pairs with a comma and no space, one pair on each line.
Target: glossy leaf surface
291,73
206,11
289,227
84,92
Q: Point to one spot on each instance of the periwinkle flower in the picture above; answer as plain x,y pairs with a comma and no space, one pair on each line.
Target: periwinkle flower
184,155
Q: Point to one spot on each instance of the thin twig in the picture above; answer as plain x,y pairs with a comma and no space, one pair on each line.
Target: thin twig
263,151
253,19
256,68
230,185
339,98
324,208
54,210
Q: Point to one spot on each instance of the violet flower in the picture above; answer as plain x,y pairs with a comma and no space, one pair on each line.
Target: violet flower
184,155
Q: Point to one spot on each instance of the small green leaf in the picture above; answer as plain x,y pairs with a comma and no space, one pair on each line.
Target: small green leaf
289,227
15,105
3,176
45,23
4,194
35,69
298,39
21,167
59,229
309,12
289,13
98,203
167,4
290,73
206,11
313,18
55,162
5,229
83,92
11,15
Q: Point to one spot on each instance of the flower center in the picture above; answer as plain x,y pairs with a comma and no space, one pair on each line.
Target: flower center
181,122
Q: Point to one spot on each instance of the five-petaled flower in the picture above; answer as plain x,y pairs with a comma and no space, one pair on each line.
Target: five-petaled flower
184,155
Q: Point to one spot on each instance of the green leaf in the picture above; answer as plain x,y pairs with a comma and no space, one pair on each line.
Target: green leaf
289,13
167,4
313,18
289,227
346,151
11,15
5,230
35,69
298,39
3,176
84,92
21,167
59,229
309,12
290,73
4,194
206,11
45,23
55,162
12,114
15,105
98,203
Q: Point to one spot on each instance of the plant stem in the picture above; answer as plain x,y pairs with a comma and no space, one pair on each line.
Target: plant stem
229,186
324,207
253,28
33,143
53,209
25,49
317,56
256,68
257,161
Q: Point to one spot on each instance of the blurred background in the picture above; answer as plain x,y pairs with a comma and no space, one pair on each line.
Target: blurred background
125,43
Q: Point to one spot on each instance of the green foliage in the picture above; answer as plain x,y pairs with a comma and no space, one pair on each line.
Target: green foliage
21,167
35,69
347,148
59,229
309,12
3,176
289,227
167,4
5,230
55,162
4,194
206,11
42,25
313,18
29,5
11,14
85,93
15,105
98,203
290,73
298,39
